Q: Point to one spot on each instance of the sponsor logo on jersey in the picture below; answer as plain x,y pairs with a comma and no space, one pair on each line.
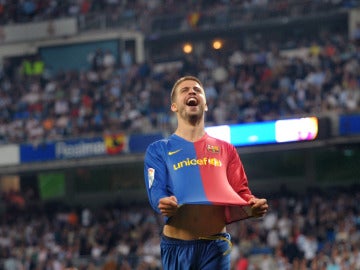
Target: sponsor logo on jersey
170,153
197,162
213,148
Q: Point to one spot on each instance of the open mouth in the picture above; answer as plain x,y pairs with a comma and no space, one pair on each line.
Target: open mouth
192,102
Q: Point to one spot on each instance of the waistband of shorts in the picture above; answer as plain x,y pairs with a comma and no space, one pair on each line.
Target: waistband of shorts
203,239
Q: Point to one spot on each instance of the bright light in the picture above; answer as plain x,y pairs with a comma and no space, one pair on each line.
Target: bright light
187,48
217,44
299,129
221,132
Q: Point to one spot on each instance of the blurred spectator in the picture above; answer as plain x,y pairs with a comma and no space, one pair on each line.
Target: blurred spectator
355,35
242,263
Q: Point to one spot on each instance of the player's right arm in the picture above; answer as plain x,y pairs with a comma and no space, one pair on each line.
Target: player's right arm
156,179
168,206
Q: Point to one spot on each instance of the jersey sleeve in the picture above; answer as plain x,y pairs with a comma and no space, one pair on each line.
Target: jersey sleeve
237,176
155,175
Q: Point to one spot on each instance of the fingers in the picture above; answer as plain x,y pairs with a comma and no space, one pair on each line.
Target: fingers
256,202
168,201
259,207
168,206
168,212
173,198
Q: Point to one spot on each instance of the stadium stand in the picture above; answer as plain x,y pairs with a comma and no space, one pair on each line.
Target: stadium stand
320,76
314,76
315,230
241,86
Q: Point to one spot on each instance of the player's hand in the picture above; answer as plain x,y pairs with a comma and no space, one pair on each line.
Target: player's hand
168,206
259,207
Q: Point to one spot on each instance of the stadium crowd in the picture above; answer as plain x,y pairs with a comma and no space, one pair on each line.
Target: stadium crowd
313,76
158,12
318,76
318,230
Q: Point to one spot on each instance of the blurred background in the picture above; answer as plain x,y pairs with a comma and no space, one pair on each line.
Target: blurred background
84,89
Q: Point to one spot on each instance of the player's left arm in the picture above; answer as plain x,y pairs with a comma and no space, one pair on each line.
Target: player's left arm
259,207
239,182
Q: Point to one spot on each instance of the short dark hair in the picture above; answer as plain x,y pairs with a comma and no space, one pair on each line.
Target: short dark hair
185,78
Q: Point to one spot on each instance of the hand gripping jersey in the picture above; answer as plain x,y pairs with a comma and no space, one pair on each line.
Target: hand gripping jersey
208,171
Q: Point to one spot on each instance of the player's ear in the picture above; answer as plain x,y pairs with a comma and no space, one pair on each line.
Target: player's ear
206,108
173,107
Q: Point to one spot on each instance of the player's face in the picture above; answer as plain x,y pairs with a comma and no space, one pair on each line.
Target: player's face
189,100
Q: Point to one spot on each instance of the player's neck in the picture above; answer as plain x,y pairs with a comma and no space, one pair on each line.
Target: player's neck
190,133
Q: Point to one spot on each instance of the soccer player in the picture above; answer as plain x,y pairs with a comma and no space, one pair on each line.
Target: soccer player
198,184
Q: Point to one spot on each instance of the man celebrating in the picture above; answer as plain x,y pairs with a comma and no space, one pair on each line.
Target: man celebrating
198,183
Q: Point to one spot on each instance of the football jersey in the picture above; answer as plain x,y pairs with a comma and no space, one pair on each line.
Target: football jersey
208,171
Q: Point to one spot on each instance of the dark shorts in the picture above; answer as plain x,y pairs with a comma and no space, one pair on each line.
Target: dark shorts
206,253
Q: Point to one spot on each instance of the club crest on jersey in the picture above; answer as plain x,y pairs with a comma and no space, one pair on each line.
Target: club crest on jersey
213,148
151,176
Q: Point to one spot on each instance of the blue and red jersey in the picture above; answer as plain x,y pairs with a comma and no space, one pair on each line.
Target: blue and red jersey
208,171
